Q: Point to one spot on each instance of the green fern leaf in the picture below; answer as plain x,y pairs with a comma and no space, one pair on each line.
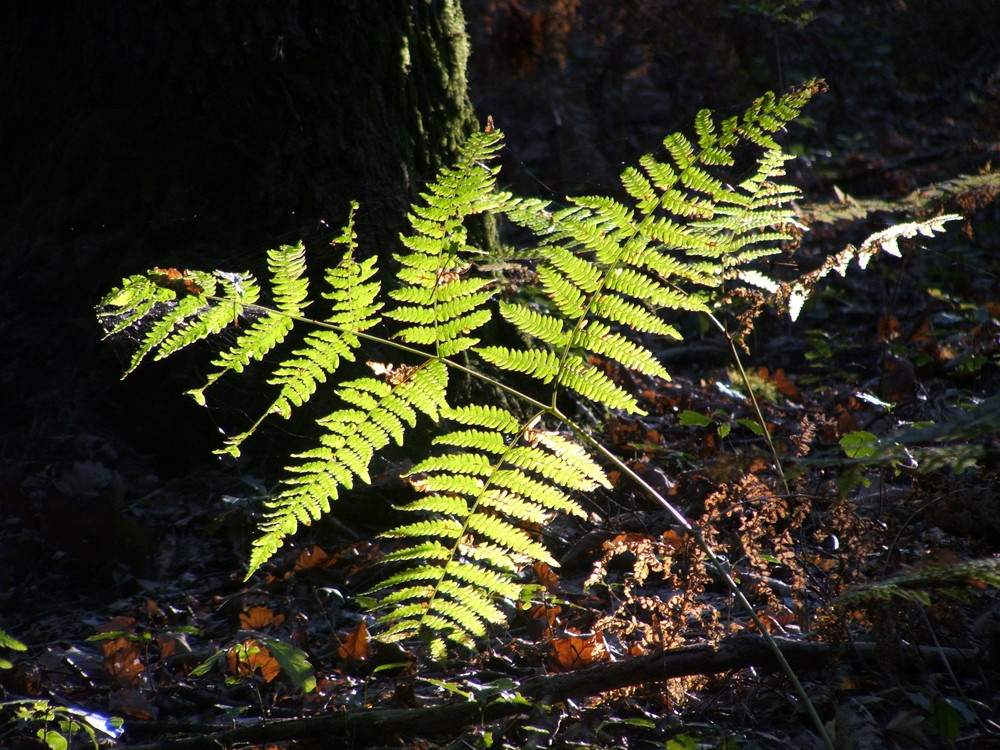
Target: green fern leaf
636,317
597,337
286,266
488,417
680,150
442,305
179,306
604,269
591,383
126,306
473,508
352,438
538,363
353,309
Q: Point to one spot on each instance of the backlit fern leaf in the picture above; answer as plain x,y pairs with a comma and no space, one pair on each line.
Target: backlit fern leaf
473,506
179,309
379,412
610,267
439,302
286,265
353,309
237,291
605,269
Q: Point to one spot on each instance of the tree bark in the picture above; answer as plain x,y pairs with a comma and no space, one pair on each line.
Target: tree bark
240,120
196,135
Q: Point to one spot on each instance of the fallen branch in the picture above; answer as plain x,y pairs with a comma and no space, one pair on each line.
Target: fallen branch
736,652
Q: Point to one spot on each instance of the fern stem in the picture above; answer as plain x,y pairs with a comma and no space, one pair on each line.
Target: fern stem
753,399
718,565
548,409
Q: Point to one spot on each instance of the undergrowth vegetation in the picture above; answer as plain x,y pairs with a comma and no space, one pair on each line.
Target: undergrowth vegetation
591,301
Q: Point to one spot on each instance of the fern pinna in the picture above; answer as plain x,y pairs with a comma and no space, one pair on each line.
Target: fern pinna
606,270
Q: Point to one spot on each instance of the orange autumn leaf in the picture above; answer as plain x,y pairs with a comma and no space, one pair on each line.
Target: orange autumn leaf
317,557
249,657
547,612
847,422
826,564
179,281
887,328
119,622
576,651
546,576
782,382
122,660
674,540
133,704
257,618
168,646
357,645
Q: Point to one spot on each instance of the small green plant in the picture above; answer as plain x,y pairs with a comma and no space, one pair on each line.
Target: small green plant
11,643
264,657
606,273
60,726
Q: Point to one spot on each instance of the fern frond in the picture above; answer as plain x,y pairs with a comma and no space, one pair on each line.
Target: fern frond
207,317
286,266
177,308
598,338
547,328
570,371
474,508
795,294
956,580
352,437
605,263
352,292
488,417
441,304
568,298
605,268
538,363
126,306
638,318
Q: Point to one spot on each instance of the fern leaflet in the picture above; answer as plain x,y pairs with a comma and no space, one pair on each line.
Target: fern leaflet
379,412
475,503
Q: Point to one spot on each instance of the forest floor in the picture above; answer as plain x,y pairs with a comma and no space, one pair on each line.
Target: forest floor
879,544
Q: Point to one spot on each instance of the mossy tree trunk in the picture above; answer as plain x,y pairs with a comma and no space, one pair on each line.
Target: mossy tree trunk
184,133
227,122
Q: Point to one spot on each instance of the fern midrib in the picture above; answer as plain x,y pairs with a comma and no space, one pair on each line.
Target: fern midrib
372,338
